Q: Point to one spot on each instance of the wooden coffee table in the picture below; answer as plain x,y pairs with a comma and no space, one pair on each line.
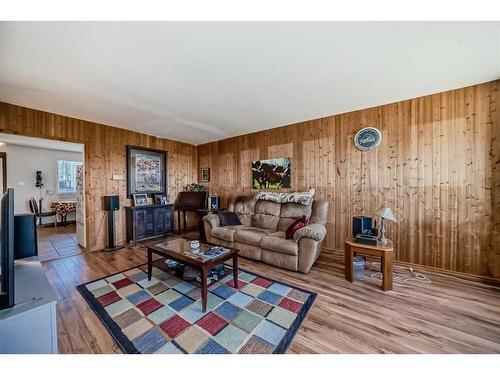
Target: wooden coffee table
180,250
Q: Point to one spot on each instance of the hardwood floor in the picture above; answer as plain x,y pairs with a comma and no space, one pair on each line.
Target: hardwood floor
448,315
56,242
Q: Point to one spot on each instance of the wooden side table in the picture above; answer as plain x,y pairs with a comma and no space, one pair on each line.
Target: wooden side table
384,251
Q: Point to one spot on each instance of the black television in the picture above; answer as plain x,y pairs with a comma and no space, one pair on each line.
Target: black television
7,250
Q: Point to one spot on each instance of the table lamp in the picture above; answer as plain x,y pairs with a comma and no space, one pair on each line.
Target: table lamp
386,214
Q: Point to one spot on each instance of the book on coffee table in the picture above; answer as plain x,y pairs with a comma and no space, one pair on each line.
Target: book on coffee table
214,252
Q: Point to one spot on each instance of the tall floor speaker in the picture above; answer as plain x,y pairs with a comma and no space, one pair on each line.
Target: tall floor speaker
111,204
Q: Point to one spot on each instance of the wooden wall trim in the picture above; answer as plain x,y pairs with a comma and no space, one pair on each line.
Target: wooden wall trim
104,155
438,168
339,254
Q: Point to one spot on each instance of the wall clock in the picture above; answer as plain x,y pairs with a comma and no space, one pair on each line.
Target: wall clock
368,139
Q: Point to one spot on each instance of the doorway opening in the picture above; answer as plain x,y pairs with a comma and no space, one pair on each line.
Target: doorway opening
48,181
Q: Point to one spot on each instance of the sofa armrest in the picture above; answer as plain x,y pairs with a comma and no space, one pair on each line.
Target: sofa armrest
316,232
213,219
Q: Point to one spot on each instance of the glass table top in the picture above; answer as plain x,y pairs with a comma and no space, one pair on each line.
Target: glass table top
181,247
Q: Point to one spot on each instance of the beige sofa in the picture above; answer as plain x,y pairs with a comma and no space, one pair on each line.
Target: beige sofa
262,233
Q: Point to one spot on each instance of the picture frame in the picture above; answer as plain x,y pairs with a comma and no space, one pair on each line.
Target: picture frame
272,173
160,198
146,171
140,199
205,174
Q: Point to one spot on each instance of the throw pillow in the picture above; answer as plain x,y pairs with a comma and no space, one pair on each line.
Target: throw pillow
228,218
301,222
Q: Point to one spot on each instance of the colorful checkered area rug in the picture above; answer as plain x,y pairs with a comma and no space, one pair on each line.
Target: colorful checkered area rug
164,315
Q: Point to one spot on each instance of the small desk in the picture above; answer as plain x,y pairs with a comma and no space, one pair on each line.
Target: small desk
384,251
189,201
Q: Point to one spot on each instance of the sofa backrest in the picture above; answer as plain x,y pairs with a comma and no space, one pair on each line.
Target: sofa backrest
244,207
266,215
276,216
319,213
291,212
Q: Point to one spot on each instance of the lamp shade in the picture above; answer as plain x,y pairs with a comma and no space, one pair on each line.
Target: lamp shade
386,213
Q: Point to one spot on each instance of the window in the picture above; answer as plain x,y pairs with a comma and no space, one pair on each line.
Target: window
66,176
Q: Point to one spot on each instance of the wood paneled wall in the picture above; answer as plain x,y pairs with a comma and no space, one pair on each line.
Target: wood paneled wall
438,168
104,155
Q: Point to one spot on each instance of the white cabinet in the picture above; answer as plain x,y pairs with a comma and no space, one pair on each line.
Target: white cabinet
30,326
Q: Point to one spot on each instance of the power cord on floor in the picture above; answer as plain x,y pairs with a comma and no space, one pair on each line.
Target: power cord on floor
399,276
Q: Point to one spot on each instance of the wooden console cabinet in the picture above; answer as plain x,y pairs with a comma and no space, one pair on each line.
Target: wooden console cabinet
149,221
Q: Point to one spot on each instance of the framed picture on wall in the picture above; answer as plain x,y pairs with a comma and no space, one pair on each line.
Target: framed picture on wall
271,173
146,171
205,174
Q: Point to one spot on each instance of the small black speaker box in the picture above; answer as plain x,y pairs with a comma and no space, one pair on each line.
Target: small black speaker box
361,225
214,202
111,203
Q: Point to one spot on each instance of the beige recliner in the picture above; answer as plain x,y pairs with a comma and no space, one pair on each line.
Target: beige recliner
261,235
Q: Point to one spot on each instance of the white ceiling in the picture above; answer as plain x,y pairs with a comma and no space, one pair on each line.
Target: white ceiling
201,81
48,144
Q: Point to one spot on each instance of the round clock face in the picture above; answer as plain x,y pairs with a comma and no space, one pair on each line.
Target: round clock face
367,139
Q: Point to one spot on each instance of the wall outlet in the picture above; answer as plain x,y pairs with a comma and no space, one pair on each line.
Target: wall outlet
20,183
117,177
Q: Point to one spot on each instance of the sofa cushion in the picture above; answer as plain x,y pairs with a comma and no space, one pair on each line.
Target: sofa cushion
228,218
244,208
250,235
248,251
301,222
225,233
291,212
278,243
267,215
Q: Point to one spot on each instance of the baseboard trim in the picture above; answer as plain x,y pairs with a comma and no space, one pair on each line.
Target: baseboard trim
443,271
59,224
